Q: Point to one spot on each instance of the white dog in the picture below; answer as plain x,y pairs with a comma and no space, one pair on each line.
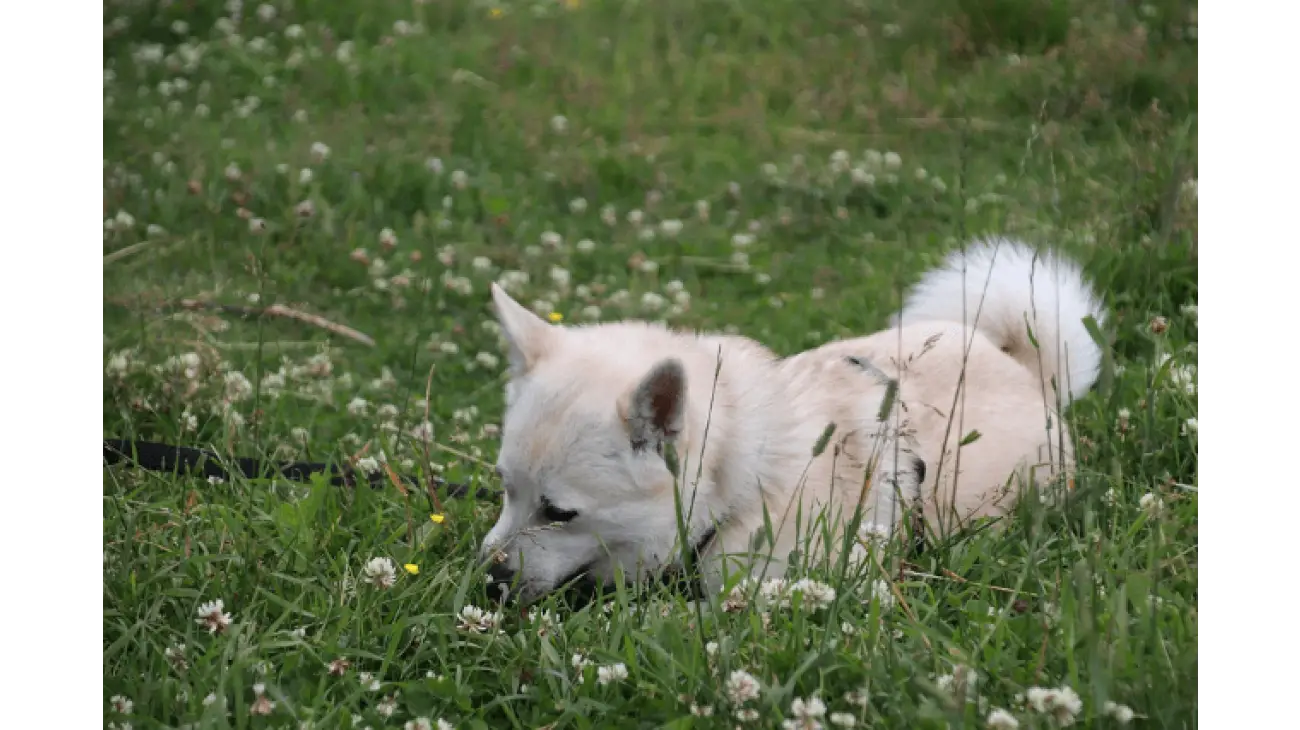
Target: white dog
933,411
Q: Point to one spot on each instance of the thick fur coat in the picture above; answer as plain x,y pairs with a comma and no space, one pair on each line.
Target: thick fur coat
951,410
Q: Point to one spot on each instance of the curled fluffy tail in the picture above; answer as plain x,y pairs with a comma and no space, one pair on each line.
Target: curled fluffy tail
1010,291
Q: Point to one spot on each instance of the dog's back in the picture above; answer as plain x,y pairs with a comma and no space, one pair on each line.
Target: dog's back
977,353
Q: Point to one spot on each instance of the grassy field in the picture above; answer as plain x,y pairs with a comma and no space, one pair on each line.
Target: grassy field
778,168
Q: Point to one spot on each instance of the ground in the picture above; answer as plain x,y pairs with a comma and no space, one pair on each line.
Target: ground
778,168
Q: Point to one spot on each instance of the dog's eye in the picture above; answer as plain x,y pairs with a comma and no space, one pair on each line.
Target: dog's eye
551,513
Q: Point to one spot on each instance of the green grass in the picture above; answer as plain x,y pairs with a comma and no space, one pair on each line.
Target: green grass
1051,120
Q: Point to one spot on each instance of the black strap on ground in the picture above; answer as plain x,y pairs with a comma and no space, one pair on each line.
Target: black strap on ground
166,458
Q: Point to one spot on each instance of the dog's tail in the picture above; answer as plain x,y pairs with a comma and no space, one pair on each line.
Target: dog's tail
1030,304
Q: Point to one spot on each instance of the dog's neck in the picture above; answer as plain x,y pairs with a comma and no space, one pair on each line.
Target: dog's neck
749,439
702,532
686,574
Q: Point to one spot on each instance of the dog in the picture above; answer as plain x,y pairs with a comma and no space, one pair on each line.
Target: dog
621,439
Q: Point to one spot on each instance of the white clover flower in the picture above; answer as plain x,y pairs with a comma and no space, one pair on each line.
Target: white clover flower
1000,719
1152,504
816,595
320,151
237,386
475,620
1120,713
611,673
121,704
212,617
807,714
741,687
1062,704
380,572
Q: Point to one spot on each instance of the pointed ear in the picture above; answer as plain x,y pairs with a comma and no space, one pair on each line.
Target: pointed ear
656,411
527,335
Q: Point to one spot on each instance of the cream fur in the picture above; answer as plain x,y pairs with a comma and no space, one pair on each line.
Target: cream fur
579,397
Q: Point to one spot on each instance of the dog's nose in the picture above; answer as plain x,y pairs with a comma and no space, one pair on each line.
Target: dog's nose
500,580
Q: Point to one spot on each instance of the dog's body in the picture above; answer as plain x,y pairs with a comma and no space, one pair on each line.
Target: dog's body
595,414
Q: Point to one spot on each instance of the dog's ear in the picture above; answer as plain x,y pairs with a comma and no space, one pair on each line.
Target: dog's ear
527,335
657,405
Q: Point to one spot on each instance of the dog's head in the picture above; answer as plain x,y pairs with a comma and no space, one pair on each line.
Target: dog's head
589,493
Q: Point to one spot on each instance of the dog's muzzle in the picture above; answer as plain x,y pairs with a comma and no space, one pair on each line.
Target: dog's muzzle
579,588
501,582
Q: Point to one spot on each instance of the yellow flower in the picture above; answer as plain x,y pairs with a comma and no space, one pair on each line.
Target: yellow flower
573,4
412,568
555,317
437,518
495,13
